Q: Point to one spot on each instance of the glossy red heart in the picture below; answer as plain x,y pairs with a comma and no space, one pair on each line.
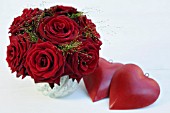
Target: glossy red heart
97,83
131,89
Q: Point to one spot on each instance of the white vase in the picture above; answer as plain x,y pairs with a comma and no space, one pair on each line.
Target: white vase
67,87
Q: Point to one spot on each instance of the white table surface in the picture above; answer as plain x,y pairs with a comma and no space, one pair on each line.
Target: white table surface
133,31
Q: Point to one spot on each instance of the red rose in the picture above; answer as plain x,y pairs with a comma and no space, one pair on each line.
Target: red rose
59,9
82,62
88,27
24,20
45,63
96,41
16,53
58,29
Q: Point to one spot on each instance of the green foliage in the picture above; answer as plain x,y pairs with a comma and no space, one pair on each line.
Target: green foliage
67,47
33,36
75,15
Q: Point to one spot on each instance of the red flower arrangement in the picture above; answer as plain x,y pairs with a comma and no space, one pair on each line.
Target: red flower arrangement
48,44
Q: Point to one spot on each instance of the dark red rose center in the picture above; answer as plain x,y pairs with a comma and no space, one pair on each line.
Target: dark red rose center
59,26
43,62
83,65
12,52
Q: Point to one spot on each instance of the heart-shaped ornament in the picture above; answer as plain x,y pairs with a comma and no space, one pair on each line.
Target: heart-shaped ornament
98,82
131,89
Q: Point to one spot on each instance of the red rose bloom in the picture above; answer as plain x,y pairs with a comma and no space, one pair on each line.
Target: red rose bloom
58,29
59,9
45,63
24,20
95,41
88,27
82,62
16,53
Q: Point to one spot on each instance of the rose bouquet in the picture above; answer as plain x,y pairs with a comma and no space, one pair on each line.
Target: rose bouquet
48,44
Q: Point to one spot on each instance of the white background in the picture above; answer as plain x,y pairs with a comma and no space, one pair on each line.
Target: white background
133,31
